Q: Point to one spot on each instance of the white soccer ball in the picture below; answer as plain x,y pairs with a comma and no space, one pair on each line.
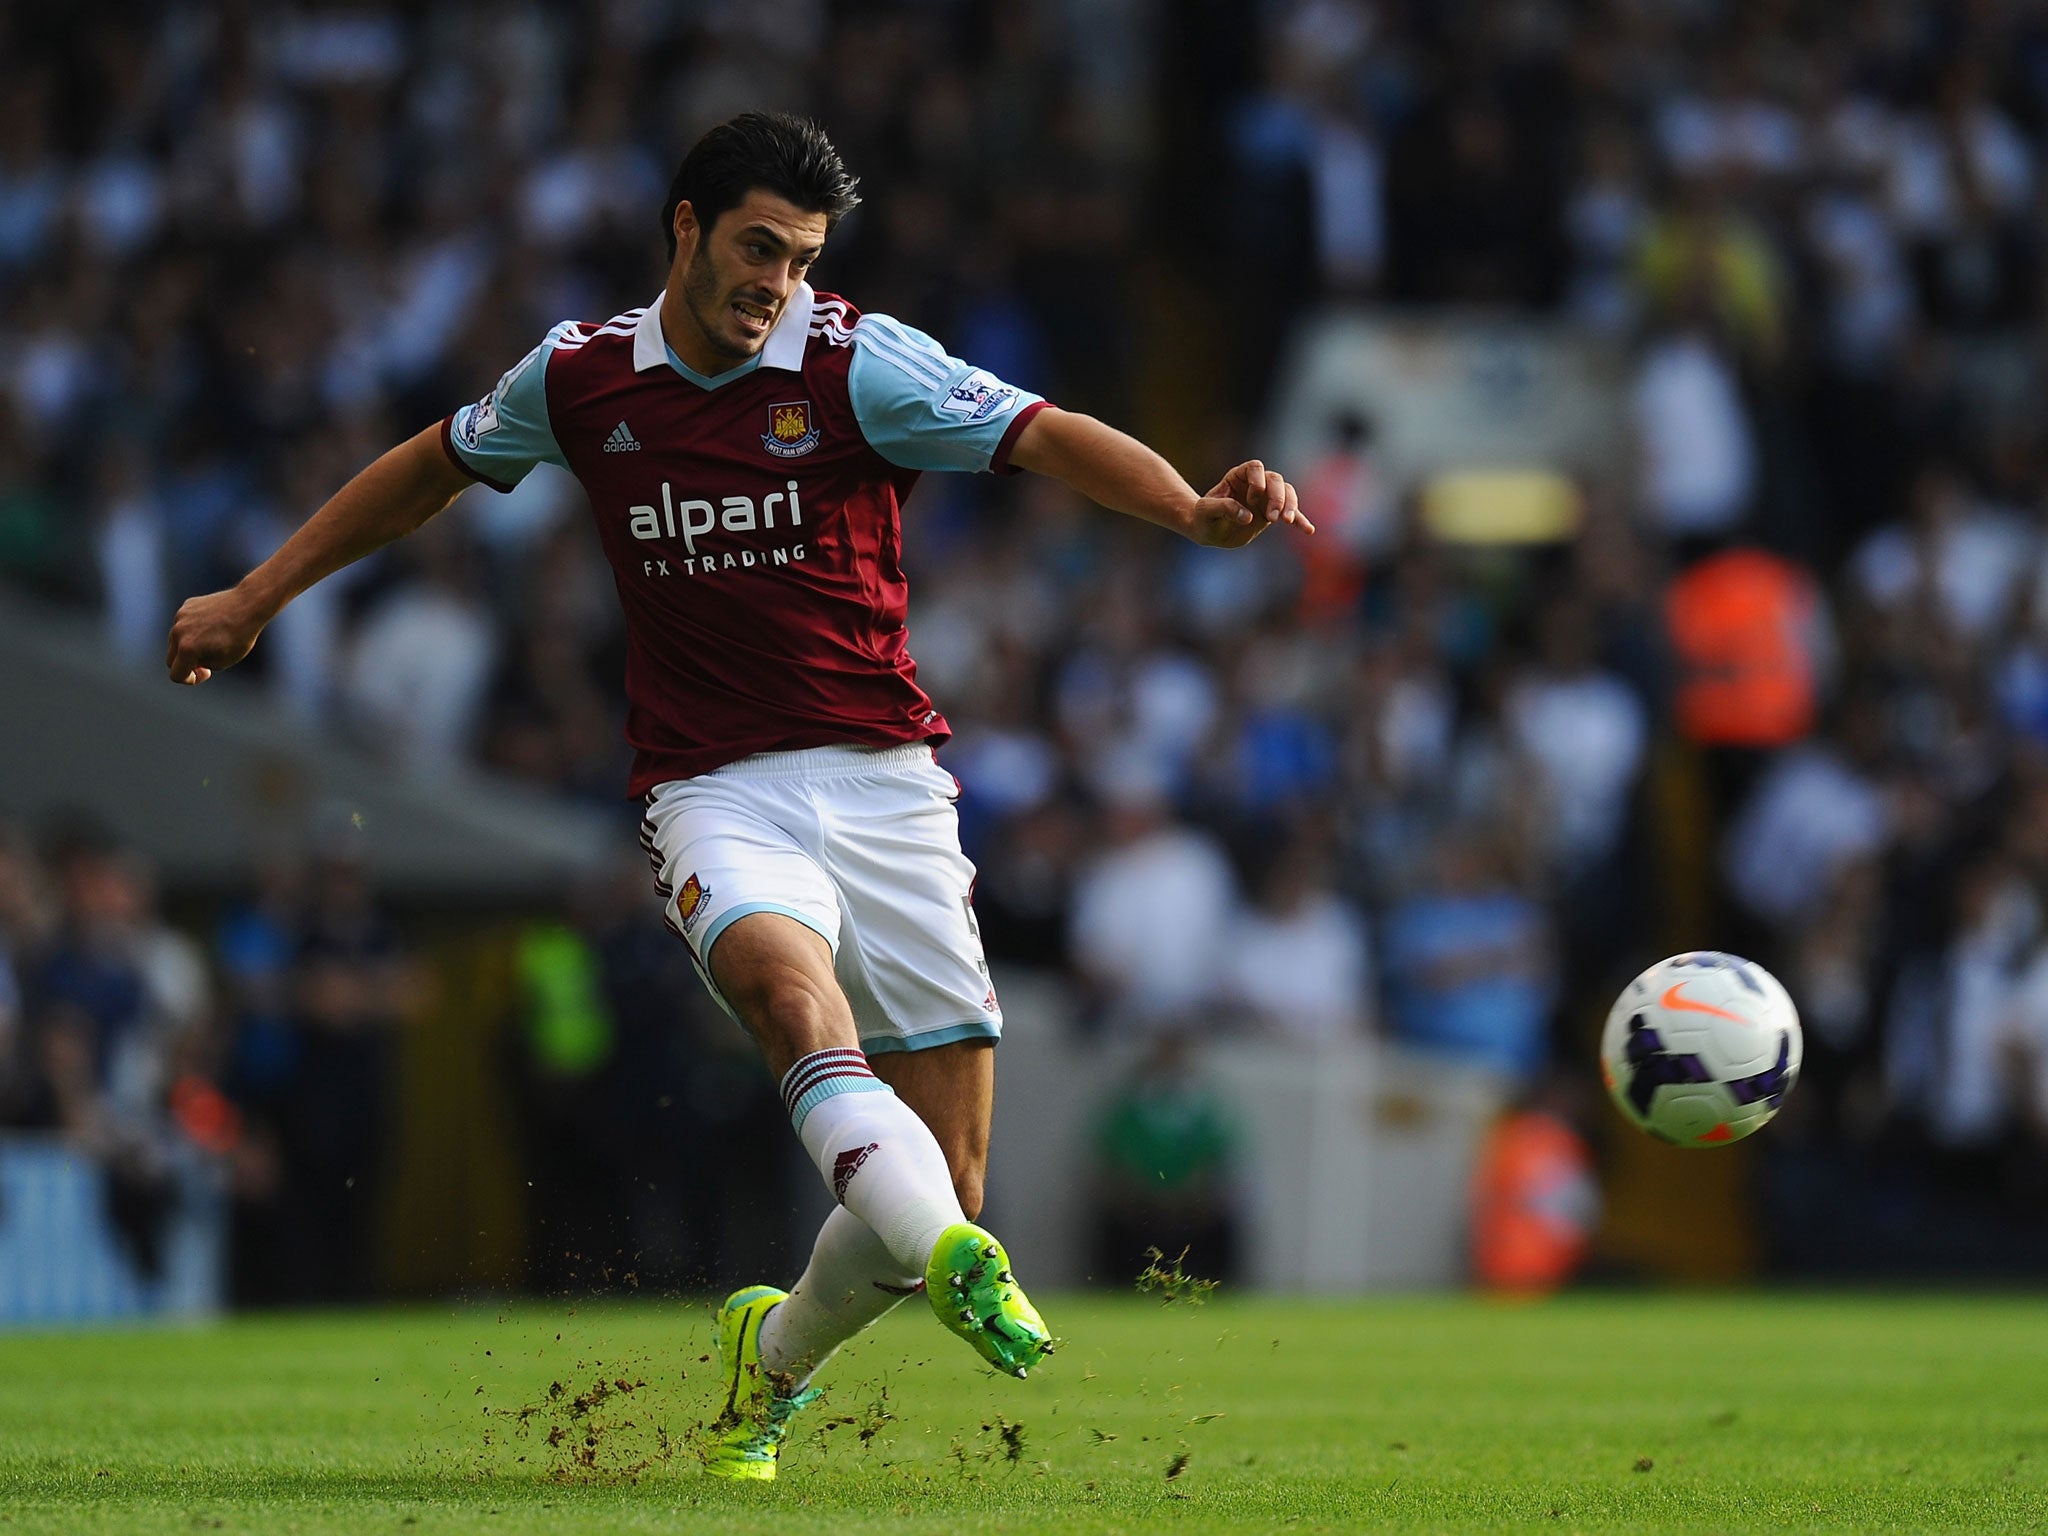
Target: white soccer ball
1701,1049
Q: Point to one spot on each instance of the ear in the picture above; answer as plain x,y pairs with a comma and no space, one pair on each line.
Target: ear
684,225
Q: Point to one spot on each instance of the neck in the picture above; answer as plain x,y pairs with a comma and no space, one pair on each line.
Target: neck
686,338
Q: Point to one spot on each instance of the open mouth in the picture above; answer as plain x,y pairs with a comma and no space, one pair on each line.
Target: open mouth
753,318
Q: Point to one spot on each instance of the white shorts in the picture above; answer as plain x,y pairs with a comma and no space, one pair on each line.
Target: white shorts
861,844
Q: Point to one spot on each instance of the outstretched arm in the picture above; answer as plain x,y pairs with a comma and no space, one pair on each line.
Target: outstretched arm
388,500
1121,473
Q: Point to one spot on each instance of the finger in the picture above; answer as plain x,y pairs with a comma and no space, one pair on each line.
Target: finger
1277,492
1293,512
1255,482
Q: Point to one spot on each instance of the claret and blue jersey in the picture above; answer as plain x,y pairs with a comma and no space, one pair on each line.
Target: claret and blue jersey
752,517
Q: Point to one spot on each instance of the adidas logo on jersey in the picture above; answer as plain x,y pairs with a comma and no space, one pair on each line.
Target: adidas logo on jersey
622,440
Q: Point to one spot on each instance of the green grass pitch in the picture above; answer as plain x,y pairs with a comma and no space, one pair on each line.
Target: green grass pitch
1595,1412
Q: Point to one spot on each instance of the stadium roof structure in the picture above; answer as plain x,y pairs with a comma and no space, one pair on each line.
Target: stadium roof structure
209,781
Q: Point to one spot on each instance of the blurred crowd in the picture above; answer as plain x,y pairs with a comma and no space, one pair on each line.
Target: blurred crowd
103,1006
1784,690
266,1060
260,1053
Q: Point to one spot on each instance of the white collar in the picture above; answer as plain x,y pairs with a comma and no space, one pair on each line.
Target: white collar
784,348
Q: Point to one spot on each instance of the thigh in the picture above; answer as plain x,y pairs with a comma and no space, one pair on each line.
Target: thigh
726,852
910,955
775,975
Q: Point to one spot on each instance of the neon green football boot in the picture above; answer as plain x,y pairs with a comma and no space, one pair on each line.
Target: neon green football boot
747,1435
969,1284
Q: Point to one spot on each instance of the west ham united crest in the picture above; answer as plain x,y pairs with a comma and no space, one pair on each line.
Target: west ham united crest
690,900
790,434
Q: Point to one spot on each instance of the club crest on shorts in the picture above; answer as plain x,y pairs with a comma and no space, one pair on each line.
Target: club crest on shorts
690,900
790,434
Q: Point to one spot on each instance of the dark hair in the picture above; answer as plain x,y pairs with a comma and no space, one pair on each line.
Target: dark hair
777,151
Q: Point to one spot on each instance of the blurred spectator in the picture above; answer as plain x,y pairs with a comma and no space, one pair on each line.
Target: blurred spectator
112,1002
1832,972
1298,963
1605,219
1962,180
1749,642
1153,910
567,1036
1164,1161
419,669
1708,269
1133,707
1965,559
1699,450
354,984
1535,1201
1469,963
1023,894
1310,173
1586,733
1348,500
2023,1042
129,544
1816,811
27,922
1278,758
31,179
33,547
256,948
1974,1099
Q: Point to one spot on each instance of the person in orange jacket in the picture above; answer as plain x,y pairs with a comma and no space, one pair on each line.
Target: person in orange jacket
1535,1202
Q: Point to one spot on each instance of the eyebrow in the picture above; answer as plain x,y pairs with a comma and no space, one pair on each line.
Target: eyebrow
776,240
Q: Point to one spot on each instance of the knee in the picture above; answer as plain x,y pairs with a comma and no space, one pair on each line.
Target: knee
785,1001
786,1007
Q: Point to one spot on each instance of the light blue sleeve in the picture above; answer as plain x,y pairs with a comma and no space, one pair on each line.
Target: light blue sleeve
920,407
506,433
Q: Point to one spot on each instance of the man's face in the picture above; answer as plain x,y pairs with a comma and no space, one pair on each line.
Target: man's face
736,276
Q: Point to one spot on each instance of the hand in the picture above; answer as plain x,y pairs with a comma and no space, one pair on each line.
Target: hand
210,633
1244,504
